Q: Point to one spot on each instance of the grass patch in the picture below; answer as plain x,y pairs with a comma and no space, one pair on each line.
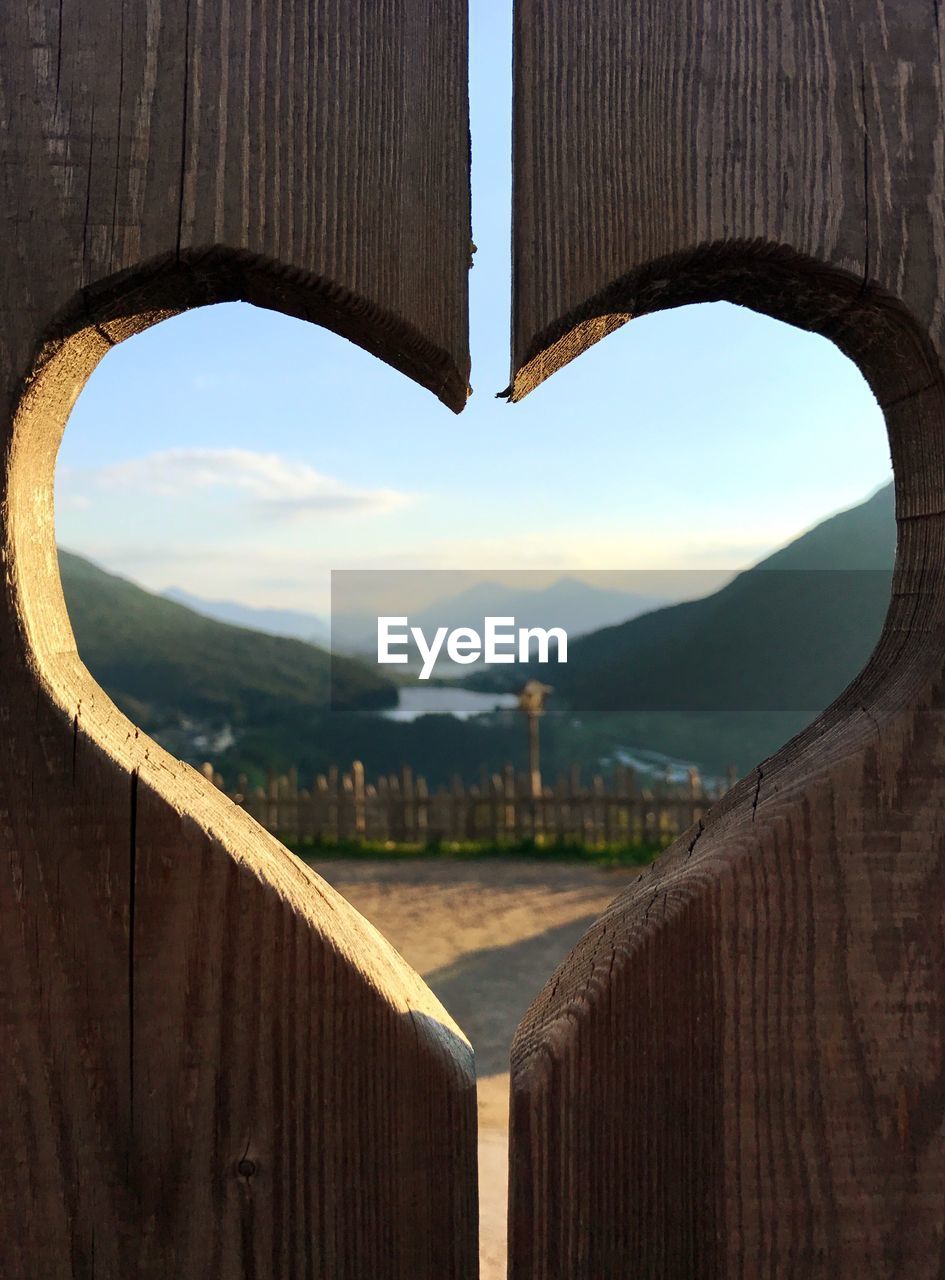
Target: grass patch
601,855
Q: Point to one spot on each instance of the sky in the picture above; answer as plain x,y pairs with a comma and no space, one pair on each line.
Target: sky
241,455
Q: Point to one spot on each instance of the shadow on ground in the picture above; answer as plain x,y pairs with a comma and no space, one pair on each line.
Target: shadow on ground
488,991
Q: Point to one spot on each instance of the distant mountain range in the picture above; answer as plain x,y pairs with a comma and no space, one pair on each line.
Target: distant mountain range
577,606
291,623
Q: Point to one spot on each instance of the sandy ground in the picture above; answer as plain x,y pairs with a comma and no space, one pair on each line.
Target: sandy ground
485,935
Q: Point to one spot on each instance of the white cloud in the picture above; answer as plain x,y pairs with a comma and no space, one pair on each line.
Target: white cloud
66,501
273,484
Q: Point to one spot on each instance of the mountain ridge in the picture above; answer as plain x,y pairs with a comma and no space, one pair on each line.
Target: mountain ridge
635,686
786,634
291,624
162,662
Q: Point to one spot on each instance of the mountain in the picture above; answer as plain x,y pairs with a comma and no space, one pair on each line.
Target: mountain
290,623
771,648
166,665
568,602
722,680
251,702
571,603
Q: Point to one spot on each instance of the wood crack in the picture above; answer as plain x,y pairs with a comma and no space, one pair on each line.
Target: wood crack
105,335
185,111
696,838
867,248
893,403
59,53
754,801
118,137
88,197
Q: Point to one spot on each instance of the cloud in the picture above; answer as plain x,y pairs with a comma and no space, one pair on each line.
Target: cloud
73,501
271,483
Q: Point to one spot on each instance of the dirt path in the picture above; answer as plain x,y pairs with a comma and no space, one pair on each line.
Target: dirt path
486,935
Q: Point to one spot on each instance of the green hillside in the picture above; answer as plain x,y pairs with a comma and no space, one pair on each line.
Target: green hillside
862,537
165,665
785,635
736,673
249,701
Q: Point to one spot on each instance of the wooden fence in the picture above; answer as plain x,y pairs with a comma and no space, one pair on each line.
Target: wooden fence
502,807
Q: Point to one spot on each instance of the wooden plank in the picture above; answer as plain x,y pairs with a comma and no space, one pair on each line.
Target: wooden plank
213,1066
739,1070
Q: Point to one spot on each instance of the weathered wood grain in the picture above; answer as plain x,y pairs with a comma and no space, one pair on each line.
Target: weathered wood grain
212,1067
740,1071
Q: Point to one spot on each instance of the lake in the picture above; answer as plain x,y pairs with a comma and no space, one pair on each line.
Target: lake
440,701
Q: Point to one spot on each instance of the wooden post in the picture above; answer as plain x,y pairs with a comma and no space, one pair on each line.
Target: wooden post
531,699
346,808
458,800
739,1070
407,796
440,814
383,801
320,817
398,812
212,1066
597,809
534,755
562,809
357,777
333,807
304,815
510,809
423,809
